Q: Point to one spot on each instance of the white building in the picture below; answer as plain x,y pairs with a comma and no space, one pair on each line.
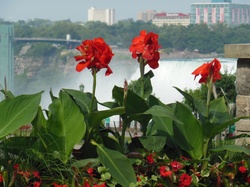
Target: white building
161,19
103,15
146,15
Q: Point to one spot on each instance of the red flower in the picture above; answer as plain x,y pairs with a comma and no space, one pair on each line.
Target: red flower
248,179
242,169
59,185
208,71
37,183
1,178
36,174
165,171
95,55
90,171
16,166
185,180
86,184
176,166
146,46
150,159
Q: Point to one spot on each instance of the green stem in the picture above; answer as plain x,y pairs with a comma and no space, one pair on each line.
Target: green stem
142,68
93,89
205,148
209,93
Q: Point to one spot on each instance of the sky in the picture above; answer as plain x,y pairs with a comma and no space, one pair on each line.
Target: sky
77,10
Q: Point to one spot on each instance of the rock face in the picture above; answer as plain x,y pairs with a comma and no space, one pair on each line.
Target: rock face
242,52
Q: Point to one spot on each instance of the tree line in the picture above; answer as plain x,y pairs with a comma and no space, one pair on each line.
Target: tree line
201,37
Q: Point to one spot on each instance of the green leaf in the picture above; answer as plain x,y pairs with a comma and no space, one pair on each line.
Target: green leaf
118,165
18,111
97,116
147,85
232,148
188,134
83,100
218,111
65,126
163,117
153,143
162,111
212,129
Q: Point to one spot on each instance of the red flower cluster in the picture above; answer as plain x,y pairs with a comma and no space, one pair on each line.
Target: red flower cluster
165,171
242,169
150,159
176,166
32,178
146,46
185,180
95,55
60,185
208,71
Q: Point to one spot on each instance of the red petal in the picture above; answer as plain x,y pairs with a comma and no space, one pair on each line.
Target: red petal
80,66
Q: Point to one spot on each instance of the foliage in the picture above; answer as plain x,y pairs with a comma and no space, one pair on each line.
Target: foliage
197,36
224,87
176,148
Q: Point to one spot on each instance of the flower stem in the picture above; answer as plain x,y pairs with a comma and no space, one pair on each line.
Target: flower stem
142,68
209,93
93,88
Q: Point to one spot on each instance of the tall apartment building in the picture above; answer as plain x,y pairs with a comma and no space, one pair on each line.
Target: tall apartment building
161,19
220,11
7,55
103,15
146,15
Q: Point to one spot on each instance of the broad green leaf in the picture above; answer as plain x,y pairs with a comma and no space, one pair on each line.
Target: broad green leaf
188,134
153,143
212,129
118,165
161,111
18,111
90,162
218,111
147,85
65,126
163,122
83,100
232,148
97,116
185,94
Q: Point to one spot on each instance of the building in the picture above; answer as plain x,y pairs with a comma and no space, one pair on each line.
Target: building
161,19
6,56
146,15
103,15
220,11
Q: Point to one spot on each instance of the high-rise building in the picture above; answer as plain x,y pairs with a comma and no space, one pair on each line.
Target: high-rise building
161,19
220,11
103,15
146,15
6,56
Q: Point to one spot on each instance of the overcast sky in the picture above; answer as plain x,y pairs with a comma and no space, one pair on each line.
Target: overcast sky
76,10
